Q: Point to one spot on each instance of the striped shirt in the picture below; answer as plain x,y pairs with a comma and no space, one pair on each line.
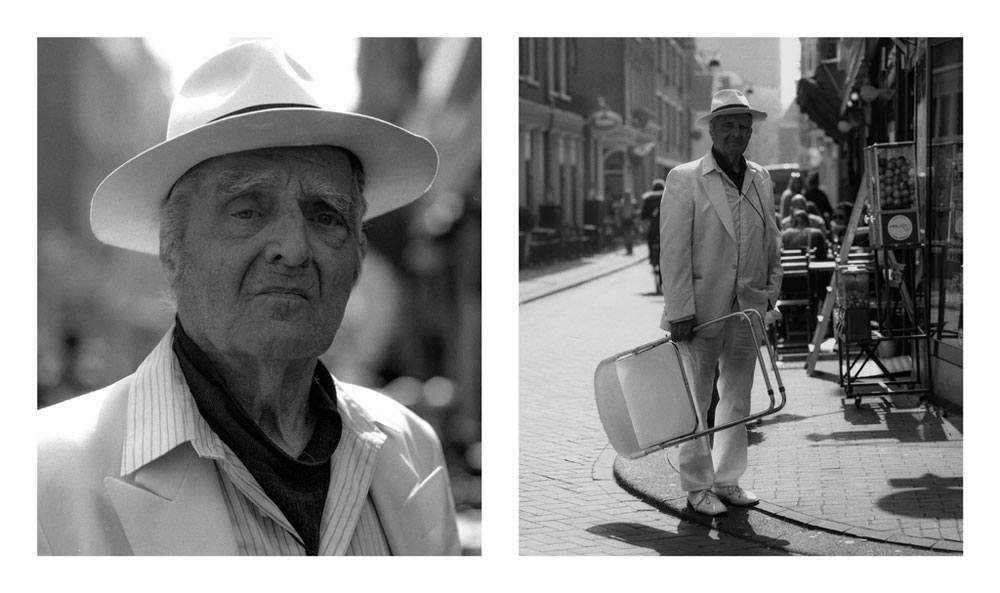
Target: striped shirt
748,212
162,414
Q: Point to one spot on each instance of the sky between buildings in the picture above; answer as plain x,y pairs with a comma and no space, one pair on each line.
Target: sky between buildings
332,61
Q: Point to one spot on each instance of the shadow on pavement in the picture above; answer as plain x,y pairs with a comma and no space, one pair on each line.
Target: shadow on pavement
931,496
904,427
734,524
861,416
694,538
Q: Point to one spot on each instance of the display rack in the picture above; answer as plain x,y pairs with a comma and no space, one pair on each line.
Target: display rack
879,327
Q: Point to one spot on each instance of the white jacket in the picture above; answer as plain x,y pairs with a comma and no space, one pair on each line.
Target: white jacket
175,505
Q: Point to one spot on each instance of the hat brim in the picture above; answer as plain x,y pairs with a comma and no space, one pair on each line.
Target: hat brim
755,114
399,166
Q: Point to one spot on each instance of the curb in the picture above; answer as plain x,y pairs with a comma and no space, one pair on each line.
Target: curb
804,520
676,506
576,283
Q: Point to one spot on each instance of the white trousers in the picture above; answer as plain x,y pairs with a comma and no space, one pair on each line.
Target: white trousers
734,350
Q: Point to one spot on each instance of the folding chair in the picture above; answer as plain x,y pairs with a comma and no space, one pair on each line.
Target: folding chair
644,399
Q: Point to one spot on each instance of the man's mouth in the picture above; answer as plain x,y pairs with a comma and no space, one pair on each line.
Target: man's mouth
285,291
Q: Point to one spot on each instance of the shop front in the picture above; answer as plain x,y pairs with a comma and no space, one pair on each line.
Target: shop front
900,125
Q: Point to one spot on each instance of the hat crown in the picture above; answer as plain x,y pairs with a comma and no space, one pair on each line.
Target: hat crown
245,75
729,98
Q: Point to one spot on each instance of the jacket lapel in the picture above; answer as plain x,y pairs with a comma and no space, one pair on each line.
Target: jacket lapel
415,513
174,506
712,187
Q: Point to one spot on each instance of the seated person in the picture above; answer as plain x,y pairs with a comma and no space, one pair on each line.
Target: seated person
815,214
838,225
795,187
799,203
838,222
802,236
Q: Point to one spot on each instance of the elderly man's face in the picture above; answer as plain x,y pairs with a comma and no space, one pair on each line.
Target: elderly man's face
731,133
269,253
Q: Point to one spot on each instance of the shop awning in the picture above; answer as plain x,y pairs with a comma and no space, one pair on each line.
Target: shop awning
819,98
852,57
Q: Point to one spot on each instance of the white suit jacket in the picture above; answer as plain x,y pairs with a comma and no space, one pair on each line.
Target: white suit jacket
698,251
175,504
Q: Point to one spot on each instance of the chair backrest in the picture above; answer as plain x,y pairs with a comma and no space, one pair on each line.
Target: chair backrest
795,277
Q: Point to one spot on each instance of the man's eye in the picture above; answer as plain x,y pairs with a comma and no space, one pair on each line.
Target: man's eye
329,219
245,214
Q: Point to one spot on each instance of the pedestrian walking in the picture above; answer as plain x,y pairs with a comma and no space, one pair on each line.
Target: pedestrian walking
626,221
651,216
719,254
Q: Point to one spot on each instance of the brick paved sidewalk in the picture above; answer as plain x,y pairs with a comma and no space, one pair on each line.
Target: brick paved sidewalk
535,283
875,474
880,473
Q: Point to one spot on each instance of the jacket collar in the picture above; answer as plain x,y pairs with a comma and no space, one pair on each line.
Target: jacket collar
168,497
716,191
709,164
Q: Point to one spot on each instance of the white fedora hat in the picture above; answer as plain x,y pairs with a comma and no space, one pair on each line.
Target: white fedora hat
250,96
731,102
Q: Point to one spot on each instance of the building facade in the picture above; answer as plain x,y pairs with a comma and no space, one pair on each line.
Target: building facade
599,119
866,91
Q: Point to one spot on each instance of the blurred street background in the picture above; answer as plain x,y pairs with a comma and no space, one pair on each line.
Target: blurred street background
412,327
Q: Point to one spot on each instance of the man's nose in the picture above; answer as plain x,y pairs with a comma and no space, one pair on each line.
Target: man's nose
289,241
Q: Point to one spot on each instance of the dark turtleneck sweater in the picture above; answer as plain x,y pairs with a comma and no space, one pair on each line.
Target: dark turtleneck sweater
735,176
297,485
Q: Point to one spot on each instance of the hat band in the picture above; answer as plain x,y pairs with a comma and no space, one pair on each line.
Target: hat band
263,107
730,106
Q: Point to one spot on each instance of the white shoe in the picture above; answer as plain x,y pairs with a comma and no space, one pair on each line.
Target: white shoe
706,503
736,496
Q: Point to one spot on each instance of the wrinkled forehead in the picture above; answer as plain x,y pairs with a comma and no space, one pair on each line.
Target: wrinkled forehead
336,168
325,162
737,118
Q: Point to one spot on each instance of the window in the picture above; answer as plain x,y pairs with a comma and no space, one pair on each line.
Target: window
946,102
945,224
558,66
527,172
526,67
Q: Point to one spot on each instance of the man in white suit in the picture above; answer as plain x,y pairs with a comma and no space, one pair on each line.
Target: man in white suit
232,437
719,254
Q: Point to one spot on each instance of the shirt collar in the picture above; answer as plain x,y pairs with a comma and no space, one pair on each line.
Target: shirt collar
162,414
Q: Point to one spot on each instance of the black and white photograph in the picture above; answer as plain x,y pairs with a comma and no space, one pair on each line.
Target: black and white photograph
259,296
740,296
280,308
